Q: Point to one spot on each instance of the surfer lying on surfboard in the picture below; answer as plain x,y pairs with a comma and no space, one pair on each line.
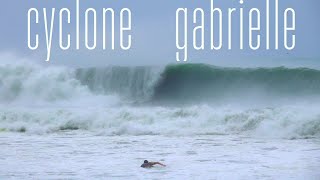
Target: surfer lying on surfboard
147,164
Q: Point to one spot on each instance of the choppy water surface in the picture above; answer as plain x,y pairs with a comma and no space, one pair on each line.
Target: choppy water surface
204,122
80,155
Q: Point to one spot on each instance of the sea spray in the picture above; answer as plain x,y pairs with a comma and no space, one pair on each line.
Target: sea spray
30,84
177,100
284,122
174,84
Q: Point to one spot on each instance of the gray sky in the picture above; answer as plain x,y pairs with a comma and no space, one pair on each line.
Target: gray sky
153,31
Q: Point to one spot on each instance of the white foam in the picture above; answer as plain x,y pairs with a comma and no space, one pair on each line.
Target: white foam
286,122
39,99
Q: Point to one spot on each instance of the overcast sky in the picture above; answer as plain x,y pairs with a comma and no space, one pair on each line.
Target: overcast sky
153,32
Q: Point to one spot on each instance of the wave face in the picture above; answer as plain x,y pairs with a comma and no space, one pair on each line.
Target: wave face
135,83
198,83
144,100
208,83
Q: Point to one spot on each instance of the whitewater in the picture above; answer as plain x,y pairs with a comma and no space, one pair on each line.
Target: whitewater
203,121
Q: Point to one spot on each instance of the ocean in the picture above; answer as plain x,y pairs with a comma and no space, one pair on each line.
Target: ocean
202,121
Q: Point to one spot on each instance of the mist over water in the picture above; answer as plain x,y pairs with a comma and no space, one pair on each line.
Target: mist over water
190,99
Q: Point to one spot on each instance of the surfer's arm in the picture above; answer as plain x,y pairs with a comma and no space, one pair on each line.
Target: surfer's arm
154,163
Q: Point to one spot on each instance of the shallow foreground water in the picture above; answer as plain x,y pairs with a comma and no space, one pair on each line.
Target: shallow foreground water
81,155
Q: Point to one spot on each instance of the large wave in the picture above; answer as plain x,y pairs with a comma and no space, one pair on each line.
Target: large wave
201,82
180,84
194,83
188,99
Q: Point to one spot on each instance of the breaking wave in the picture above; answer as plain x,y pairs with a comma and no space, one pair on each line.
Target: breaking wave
194,83
188,99
189,83
284,122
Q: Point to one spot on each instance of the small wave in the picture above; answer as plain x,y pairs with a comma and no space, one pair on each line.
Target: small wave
287,122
